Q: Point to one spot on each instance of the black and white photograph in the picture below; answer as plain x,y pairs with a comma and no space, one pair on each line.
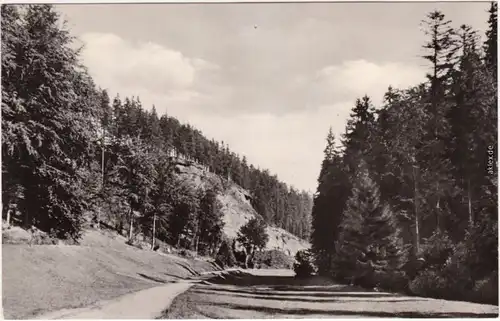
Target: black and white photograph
249,159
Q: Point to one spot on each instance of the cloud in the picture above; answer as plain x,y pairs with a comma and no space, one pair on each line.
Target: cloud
115,62
278,120
287,92
290,145
355,78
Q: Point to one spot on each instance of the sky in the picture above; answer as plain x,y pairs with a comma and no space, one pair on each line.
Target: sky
268,79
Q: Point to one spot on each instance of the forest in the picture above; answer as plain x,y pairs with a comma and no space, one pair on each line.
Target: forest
408,200
71,154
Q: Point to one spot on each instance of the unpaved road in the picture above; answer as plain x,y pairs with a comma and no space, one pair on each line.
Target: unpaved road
145,304
277,294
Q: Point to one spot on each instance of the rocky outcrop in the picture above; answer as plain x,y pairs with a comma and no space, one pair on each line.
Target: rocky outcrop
236,206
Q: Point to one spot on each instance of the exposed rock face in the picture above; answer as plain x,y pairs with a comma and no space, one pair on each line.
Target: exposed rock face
236,206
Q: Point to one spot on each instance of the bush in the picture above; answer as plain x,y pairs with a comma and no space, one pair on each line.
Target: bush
252,236
225,256
304,266
239,255
436,250
187,254
463,271
428,283
486,290
273,259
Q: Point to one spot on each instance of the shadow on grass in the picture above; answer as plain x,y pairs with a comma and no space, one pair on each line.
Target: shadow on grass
325,293
176,276
379,314
305,299
189,269
152,278
246,279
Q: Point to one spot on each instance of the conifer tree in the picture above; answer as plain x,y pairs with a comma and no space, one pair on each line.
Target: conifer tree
357,131
49,119
210,223
490,45
133,175
442,55
369,245
327,207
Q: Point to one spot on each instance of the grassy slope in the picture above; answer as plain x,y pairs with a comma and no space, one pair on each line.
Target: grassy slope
43,278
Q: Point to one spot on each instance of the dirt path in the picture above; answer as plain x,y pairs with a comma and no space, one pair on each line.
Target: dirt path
277,294
145,304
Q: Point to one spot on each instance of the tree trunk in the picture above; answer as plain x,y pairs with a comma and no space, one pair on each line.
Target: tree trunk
27,221
8,217
415,204
438,218
154,232
131,225
247,256
98,223
469,200
102,179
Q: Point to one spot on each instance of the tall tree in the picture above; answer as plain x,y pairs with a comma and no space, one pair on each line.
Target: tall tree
252,236
328,205
490,45
357,131
210,223
49,116
133,173
442,56
369,244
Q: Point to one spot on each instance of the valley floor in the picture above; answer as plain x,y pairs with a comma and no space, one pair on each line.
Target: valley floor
277,294
103,278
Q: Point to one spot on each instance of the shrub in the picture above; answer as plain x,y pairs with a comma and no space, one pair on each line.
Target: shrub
253,236
486,290
187,254
225,256
436,250
239,255
428,283
304,266
273,259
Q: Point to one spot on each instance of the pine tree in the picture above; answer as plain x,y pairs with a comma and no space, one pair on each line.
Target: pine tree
153,123
329,201
211,223
155,220
183,221
369,247
467,95
133,174
443,58
14,133
358,131
49,119
440,51
490,45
